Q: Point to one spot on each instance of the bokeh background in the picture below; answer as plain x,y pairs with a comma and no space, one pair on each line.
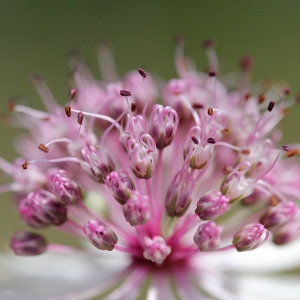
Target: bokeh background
36,35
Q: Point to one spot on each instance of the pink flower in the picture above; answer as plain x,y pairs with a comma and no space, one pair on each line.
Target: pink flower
131,177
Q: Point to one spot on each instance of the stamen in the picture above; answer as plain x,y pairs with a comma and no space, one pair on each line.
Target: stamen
125,93
80,118
142,72
211,140
292,152
212,73
195,140
72,93
43,148
210,111
261,98
271,106
68,110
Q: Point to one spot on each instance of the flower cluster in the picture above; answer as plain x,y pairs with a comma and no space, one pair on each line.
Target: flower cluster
160,175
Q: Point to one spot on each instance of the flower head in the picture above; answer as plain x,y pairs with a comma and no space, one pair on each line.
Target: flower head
144,181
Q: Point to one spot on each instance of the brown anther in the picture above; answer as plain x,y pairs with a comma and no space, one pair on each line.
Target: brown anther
285,111
245,151
178,40
261,98
125,93
211,140
195,140
225,131
246,62
212,73
292,152
242,168
247,96
11,106
197,105
208,44
287,91
133,106
271,105
43,148
80,118
68,110
142,72
72,93
210,111
24,166
274,200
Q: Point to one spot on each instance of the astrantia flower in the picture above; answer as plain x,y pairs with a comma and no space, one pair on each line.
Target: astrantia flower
162,186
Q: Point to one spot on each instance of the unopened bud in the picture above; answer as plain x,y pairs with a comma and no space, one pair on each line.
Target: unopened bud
137,209
207,236
163,125
100,235
212,205
178,197
120,185
278,215
250,237
28,244
41,209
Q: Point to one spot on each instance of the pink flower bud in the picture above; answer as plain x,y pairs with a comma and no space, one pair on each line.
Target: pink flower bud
143,156
66,190
212,205
120,185
287,233
279,215
236,187
207,236
41,209
250,237
28,244
100,235
163,125
178,197
197,151
137,209
156,249
99,161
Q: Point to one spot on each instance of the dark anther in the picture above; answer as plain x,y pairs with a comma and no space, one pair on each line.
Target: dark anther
142,72
125,93
271,105
195,140
68,110
211,140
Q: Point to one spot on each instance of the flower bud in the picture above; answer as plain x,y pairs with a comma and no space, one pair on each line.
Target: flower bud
66,190
163,125
41,208
278,215
100,235
137,209
99,162
120,185
156,249
143,156
178,197
197,151
28,244
250,237
236,187
207,236
287,233
212,205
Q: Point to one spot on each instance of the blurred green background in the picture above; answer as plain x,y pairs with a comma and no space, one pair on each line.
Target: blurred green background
35,37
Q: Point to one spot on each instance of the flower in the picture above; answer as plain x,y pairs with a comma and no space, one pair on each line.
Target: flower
164,191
